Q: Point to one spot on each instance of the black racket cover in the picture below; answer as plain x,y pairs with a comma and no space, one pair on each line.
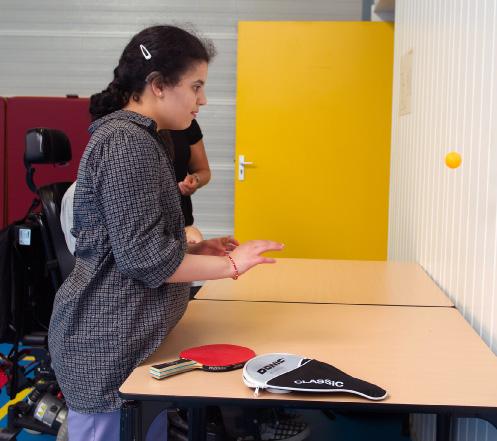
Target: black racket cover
282,372
322,377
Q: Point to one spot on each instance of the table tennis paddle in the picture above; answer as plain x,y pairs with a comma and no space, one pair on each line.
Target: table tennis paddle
211,358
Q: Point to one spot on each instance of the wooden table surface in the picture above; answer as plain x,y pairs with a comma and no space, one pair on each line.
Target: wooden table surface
421,356
331,281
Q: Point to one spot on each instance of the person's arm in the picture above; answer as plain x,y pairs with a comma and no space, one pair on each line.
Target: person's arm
129,178
198,169
127,181
202,267
199,164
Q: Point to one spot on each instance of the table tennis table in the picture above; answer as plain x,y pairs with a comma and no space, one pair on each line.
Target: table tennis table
429,359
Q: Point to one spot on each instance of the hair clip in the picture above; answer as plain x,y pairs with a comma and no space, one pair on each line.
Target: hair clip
146,54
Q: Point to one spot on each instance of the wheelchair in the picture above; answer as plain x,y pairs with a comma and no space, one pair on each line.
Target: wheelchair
34,261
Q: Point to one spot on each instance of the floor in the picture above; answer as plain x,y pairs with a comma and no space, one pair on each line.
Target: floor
355,428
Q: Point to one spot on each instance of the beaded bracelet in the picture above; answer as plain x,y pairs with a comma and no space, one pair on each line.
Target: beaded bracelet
235,269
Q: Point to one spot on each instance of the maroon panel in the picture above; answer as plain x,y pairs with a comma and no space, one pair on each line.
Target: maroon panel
67,114
2,163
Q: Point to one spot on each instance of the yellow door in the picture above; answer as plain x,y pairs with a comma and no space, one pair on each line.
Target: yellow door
313,118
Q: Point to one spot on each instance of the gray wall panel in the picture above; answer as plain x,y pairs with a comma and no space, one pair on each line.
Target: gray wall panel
56,47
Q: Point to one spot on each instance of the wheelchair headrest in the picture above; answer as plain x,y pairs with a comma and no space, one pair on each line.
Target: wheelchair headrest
46,146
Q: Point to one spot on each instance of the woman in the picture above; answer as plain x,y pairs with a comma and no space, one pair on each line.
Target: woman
129,285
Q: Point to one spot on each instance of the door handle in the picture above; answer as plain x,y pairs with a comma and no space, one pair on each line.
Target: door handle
241,167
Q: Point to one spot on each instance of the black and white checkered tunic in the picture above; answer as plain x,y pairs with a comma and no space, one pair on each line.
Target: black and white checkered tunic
115,308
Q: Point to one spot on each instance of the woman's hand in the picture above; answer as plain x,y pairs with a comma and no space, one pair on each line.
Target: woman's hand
193,234
218,246
248,254
189,185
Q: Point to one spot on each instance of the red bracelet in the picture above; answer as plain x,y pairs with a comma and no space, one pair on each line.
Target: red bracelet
235,269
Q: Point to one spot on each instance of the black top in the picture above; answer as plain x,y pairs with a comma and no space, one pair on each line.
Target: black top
182,140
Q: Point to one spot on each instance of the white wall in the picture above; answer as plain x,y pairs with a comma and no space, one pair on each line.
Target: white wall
57,47
446,219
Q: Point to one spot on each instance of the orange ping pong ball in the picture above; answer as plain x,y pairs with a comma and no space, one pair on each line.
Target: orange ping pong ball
453,159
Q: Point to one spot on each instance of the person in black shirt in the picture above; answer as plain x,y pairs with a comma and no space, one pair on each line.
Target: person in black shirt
192,171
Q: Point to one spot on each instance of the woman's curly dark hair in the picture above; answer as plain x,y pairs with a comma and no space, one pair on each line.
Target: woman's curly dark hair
172,52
